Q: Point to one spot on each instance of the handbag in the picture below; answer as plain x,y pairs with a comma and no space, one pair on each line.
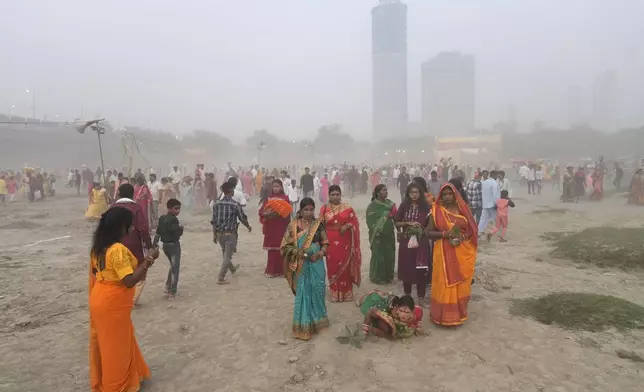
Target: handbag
413,242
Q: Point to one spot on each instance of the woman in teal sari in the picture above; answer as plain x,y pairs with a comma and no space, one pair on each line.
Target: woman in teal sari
303,248
382,238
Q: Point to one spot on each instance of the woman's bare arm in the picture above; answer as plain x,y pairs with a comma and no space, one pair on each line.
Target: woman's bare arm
432,231
132,279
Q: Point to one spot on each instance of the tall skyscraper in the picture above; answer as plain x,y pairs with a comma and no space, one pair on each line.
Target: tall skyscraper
448,94
389,52
604,105
575,106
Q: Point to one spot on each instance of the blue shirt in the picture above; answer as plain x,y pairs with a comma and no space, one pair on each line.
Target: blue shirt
226,215
490,193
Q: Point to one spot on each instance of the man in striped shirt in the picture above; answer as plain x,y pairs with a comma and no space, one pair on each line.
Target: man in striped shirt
226,216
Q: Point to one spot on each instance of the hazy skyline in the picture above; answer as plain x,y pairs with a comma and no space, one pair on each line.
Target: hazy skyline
291,66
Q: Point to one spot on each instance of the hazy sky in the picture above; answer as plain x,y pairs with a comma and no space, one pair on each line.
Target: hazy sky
293,65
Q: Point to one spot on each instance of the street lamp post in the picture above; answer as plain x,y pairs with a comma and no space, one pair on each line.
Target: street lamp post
95,126
10,112
260,147
33,102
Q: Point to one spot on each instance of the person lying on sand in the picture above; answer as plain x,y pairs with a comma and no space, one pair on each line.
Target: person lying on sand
389,316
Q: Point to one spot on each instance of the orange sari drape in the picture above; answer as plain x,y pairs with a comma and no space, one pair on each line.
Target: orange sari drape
115,360
453,266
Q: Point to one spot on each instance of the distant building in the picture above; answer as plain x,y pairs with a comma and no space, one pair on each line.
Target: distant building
389,56
448,94
604,102
575,106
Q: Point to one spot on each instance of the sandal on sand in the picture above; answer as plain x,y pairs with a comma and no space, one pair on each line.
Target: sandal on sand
222,281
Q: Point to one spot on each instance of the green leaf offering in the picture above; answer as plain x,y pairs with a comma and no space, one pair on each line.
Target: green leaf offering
351,337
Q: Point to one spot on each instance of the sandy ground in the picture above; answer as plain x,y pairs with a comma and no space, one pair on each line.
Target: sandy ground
227,338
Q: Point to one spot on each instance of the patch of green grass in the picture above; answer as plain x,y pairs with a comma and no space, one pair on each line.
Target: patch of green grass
581,311
601,246
550,210
630,355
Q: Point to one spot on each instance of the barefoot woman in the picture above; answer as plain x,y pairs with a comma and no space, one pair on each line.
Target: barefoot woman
273,227
303,248
453,227
343,258
115,360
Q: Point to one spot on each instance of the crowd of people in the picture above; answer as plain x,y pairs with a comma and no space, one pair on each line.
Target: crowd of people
312,245
311,234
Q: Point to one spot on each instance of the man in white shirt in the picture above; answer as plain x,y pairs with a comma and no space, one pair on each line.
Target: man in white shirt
532,180
395,176
154,185
524,171
490,194
316,183
238,196
538,177
175,178
504,183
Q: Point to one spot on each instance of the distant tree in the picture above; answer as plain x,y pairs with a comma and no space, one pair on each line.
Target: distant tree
262,136
331,140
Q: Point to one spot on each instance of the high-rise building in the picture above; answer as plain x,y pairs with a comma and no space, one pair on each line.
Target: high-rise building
575,106
448,94
389,52
604,104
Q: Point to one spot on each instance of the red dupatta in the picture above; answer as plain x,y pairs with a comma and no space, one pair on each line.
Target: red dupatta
445,221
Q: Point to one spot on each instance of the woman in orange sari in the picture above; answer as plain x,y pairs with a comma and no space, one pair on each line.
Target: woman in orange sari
115,360
343,258
453,227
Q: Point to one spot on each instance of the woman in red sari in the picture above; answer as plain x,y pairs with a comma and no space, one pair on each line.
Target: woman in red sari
343,258
274,226
143,196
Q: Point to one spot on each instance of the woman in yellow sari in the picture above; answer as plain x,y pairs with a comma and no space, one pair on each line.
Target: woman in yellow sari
98,202
453,227
115,360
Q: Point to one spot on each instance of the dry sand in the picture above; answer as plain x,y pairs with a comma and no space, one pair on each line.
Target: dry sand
227,338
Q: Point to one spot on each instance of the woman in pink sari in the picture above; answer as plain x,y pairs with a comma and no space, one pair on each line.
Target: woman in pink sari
274,226
199,188
343,257
598,184
375,179
247,183
324,189
143,196
337,180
